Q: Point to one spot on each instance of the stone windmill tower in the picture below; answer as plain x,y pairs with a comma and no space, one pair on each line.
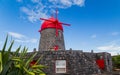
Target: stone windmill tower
51,34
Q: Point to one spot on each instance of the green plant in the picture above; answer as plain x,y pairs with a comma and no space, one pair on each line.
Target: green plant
17,63
5,62
116,61
24,67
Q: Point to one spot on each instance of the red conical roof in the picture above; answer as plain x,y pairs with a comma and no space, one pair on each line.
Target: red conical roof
50,23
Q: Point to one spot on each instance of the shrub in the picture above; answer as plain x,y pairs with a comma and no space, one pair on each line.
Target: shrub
16,63
116,61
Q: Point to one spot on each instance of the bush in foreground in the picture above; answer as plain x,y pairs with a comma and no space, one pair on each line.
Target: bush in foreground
16,63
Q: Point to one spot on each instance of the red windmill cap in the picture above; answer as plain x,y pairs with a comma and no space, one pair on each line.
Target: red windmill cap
49,23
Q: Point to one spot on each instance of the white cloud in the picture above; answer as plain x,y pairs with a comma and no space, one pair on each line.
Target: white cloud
109,47
114,53
67,3
112,47
22,38
16,35
79,2
115,33
19,0
0,42
35,1
94,36
20,41
43,8
61,3
34,14
33,40
26,41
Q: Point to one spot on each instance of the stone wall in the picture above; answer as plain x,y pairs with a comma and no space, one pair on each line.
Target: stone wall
77,62
108,60
106,56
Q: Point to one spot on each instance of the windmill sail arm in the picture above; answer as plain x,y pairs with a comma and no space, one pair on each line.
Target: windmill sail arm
64,24
46,19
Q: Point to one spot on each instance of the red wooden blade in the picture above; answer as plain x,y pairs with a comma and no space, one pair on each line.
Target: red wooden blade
45,19
64,24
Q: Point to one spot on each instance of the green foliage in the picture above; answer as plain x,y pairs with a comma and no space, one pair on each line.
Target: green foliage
116,61
17,63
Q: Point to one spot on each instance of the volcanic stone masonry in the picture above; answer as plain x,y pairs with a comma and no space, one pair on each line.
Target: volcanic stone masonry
48,40
77,62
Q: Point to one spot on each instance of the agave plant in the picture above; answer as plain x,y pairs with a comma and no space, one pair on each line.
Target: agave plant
5,61
23,64
17,63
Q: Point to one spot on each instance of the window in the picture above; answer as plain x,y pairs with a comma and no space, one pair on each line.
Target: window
60,66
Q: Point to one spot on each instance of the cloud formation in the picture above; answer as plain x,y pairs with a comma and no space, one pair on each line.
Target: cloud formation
115,33
109,47
44,8
114,53
26,41
94,36
22,38
0,42
113,46
16,35
19,0
67,3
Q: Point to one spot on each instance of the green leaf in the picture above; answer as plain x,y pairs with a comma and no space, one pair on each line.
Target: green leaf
7,54
6,68
38,70
17,51
1,67
28,72
23,52
42,74
4,46
18,66
16,59
15,72
30,59
39,60
9,49
39,66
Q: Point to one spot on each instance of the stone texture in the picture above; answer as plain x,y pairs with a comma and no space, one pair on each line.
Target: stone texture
48,39
78,62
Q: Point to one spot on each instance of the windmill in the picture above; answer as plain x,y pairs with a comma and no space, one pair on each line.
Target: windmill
54,24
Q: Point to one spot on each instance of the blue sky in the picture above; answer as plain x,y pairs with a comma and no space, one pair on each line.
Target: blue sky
95,24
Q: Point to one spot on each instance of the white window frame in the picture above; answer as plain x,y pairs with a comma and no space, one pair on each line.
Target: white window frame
60,64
